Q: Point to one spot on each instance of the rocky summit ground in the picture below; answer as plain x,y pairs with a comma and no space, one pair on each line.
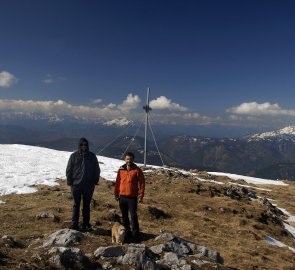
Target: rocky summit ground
229,219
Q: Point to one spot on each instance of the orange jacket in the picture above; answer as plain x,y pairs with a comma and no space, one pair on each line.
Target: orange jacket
130,183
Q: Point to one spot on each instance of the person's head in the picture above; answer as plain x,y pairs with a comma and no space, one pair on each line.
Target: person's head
129,158
83,145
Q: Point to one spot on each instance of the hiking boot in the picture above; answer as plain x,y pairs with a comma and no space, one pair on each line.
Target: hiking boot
128,236
74,227
135,238
87,227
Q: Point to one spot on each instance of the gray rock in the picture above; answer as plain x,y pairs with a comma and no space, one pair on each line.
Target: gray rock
183,247
178,247
135,255
63,238
158,249
111,251
68,257
191,245
149,265
170,259
165,236
139,257
48,215
107,265
186,267
55,261
199,262
211,254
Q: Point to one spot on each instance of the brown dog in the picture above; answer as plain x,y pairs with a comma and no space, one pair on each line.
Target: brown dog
118,233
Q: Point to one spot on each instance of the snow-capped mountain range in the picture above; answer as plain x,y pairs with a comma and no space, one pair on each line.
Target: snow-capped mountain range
286,133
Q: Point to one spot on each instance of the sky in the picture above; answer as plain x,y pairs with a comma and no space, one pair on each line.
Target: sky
222,62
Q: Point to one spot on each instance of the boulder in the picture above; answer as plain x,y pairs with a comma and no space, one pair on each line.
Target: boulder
182,247
170,258
158,249
63,238
72,258
49,215
165,237
214,256
139,257
111,251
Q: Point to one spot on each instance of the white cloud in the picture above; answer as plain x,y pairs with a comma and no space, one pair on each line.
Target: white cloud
118,114
49,79
258,109
235,117
131,102
63,109
110,106
59,107
96,101
118,122
183,118
162,103
192,116
7,79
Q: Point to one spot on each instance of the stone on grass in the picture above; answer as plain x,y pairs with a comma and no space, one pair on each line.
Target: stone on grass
111,251
67,257
63,238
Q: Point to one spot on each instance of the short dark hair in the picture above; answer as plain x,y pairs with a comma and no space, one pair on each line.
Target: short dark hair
129,154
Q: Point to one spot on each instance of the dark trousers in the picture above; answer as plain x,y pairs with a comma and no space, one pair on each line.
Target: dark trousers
129,204
81,192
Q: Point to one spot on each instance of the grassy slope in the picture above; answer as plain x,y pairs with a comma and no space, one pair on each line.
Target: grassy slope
219,222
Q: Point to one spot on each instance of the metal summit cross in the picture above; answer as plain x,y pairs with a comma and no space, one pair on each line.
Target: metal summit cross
147,108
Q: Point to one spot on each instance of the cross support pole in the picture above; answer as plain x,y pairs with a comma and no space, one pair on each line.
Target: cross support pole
147,108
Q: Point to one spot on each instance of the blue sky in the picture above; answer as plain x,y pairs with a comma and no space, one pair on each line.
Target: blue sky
207,62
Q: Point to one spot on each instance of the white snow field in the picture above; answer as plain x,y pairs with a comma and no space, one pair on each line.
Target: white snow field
23,167
250,180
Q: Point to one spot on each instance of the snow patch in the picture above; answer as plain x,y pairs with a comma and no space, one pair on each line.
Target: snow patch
290,229
23,167
250,180
277,243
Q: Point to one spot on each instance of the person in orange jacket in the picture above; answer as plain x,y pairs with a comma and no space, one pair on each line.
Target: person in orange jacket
129,191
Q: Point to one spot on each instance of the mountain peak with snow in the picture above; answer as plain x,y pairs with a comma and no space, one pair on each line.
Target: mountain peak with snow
286,133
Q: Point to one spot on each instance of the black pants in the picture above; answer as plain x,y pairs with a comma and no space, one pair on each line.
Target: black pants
129,204
78,192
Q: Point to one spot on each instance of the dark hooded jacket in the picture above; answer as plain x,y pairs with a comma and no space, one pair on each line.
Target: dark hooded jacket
83,167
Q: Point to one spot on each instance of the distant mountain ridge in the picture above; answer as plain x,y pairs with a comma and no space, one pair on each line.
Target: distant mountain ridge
269,154
286,133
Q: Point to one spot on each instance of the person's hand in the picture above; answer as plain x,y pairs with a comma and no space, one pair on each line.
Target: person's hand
140,200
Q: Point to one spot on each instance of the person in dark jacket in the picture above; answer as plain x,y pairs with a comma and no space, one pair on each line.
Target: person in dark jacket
129,190
82,175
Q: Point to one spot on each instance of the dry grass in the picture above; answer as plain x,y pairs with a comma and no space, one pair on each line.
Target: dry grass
229,226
